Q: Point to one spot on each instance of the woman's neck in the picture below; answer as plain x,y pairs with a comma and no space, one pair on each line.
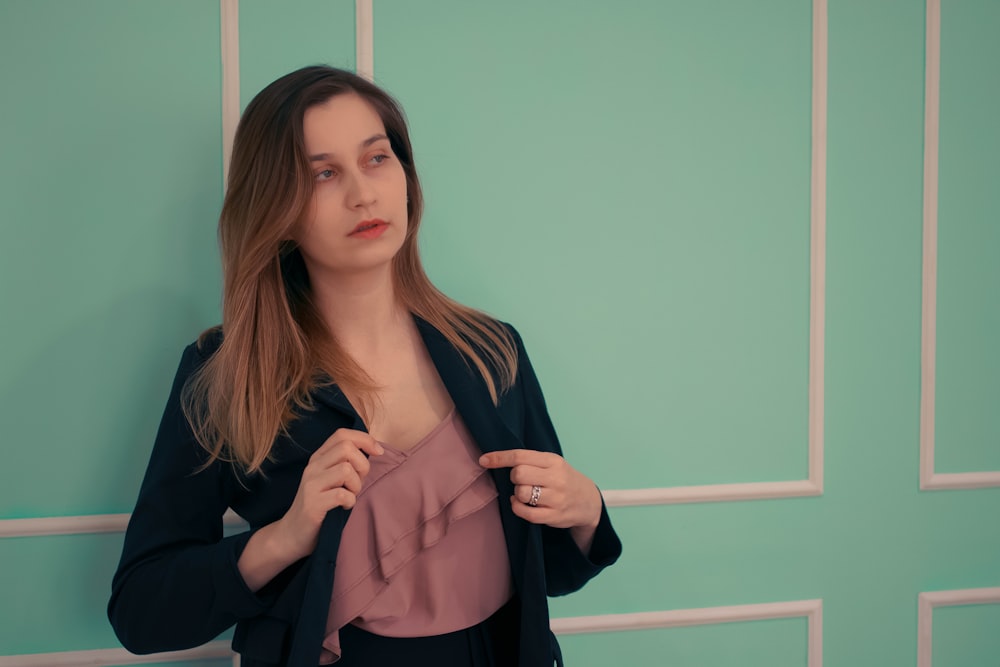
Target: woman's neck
362,312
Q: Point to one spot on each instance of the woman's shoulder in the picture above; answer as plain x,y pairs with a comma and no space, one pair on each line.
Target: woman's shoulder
514,335
207,343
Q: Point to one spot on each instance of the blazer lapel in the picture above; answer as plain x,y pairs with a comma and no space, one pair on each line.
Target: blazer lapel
475,406
331,396
468,391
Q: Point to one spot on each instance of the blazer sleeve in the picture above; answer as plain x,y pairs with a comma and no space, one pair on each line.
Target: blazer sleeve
567,568
177,585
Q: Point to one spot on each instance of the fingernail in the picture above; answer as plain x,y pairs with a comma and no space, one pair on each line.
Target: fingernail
484,460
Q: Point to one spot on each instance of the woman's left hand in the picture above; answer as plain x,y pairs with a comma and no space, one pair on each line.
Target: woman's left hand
564,497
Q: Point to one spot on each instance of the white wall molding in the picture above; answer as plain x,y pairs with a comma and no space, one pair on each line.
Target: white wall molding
116,523
926,603
229,47
810,609
83,525
817,262
364,39
930,480
813,485
119,656
707,493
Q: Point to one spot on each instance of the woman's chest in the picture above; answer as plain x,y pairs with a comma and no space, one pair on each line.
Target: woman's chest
411,402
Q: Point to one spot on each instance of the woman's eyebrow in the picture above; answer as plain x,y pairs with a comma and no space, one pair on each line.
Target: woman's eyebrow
364,144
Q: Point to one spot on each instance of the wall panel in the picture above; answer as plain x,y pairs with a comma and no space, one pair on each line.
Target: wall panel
967,429
109,192
627,186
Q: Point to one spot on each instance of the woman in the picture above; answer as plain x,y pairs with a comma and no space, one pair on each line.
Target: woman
341,409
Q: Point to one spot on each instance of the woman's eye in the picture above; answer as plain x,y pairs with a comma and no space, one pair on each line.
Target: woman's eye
380,158
324,175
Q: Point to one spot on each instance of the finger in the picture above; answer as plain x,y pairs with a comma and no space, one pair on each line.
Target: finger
361,440
353,456
530,475
512,457
541,515
339,497
547,496
343,475
344,450
369,446
523,493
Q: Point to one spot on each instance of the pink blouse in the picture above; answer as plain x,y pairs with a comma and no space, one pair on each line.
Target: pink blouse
423,552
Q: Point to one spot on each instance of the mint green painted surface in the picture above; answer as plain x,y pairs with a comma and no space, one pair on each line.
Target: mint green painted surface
109,189
776,643
56,592
963,635
645,225
60,585
968,355
628,183
278,37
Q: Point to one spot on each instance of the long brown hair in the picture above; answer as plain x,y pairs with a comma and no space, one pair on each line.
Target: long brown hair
276,349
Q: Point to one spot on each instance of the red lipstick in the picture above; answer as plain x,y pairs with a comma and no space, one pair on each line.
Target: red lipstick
370,229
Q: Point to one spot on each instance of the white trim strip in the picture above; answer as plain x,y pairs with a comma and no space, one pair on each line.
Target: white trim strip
932,90
962,596
926,602
961,480
711,493
83,525
811,609
930,480
229,46
64,525
817,294
364,39
117,656
116,523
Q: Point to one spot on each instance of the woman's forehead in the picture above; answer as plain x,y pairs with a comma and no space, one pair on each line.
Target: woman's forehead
344,123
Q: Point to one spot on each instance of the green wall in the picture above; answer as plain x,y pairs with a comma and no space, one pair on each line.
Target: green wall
629,184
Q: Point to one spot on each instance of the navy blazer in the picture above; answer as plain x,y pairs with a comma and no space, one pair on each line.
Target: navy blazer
178,586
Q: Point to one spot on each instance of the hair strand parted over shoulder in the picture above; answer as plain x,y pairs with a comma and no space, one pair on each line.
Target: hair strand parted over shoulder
276,349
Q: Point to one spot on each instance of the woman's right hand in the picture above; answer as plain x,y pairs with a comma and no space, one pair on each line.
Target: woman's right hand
332,478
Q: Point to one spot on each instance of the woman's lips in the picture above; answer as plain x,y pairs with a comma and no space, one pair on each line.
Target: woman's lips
370,229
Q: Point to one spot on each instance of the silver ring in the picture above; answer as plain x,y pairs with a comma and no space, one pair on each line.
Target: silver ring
536,491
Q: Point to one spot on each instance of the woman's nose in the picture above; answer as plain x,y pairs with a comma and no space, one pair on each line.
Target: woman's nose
361,192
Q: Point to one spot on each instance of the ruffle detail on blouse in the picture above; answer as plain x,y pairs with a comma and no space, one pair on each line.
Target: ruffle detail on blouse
409,501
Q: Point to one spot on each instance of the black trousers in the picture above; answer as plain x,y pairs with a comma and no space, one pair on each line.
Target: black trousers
492,643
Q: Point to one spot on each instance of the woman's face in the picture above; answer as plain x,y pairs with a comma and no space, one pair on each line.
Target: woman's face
357,219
